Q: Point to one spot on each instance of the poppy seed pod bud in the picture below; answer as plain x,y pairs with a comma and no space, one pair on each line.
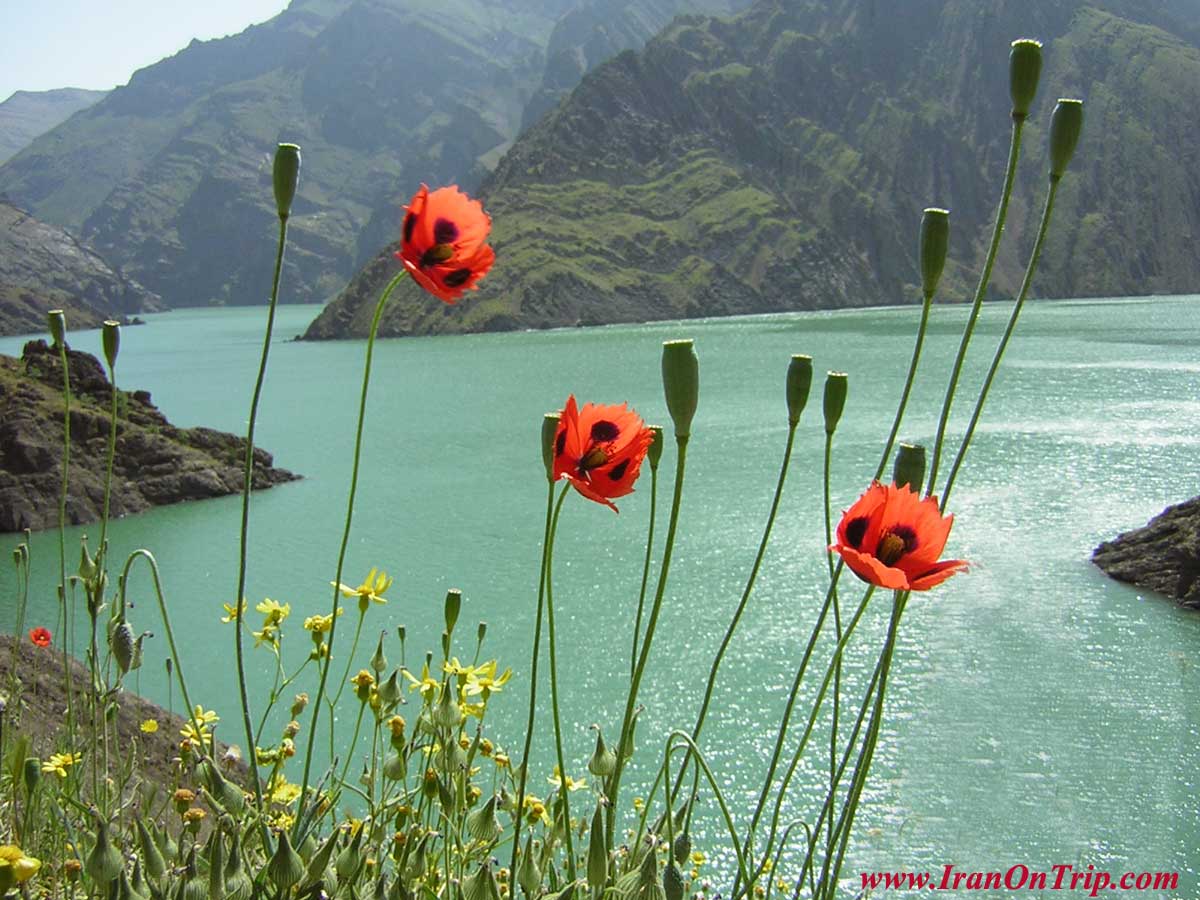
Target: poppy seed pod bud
121,643
286,867
799,382
57,323
549,430
286,175
110,337
836,384
1066,123
910,466
481,632
451,609
654,451
597,857
32,774
681,382
935,239
1024,69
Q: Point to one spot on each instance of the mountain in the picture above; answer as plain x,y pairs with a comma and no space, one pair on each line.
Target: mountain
169,177
27,114
42,268
780,160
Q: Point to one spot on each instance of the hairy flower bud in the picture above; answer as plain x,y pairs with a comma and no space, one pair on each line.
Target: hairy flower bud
1066,123
286,176
836,384
935,240
910,466
110,336
799,382
1024,69
681,382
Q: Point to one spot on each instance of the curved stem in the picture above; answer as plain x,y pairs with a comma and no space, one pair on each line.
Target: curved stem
681,443
1014,153
519,816
737,615
244,537
637,625
1012,324
564,793
358,433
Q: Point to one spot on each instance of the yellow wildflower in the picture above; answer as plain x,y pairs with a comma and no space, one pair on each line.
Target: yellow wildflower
483,679
273,612
502,761
269,635
193,815
203,718
572,784
318,624
486,747
15,865
428,686
364,679
149,726
58,763
370,591
397,724
232,611
284,792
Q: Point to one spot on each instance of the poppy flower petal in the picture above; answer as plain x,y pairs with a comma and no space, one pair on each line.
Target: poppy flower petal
937,574
859,527
871,570
584,487
454,215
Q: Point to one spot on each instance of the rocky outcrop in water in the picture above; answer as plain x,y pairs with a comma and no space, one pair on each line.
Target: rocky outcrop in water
1162,556
156,463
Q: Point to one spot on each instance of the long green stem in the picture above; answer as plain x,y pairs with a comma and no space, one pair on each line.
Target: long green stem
985,276
69,681
358,434
828,880
519,816
741,608
908,383
637,625
681,443
564,792
244,537
837,608
108,468
1008,331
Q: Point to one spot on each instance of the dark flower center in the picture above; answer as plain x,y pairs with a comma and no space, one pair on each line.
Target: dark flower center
894,544
436,254
593,458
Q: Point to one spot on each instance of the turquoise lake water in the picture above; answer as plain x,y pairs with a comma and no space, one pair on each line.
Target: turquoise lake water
1038,714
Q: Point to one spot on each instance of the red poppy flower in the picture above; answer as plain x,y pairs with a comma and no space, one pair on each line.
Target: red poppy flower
892,538
40,636
600,449
442,242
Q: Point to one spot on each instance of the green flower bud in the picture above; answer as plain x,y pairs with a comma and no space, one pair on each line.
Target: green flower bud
597,857
935,240
286,867
799,382
835,399
378,660
448,714
194,887
482,824
104,863
110,336
319,861
1024,68
648,871
672,881
32,774
529,876
150,855
286,176
1066,122
58,326
604,761
121,642
215,854
654,452
394,767
349,860
390,691
481,884
452,608
681,383
549,430
481,632
910,466
225,793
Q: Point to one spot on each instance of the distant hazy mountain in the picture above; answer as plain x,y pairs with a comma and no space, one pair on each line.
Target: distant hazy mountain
27,114
780,160
42,268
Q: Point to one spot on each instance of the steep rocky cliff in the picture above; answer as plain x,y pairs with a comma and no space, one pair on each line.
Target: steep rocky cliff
156,463
27,114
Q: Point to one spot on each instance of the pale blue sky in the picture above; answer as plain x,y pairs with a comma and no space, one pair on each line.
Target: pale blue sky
98,44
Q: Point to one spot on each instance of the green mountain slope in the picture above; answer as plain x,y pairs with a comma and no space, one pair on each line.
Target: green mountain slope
780,160
27,114
169,177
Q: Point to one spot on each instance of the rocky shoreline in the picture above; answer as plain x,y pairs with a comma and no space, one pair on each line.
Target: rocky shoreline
156,463
1162,556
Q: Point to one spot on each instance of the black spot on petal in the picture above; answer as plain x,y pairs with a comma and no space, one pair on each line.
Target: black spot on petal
444,231
605,430
410,222
560,443
457,277
856,530
617,472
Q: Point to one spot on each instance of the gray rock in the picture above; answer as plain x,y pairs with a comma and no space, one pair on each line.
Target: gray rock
1162,556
